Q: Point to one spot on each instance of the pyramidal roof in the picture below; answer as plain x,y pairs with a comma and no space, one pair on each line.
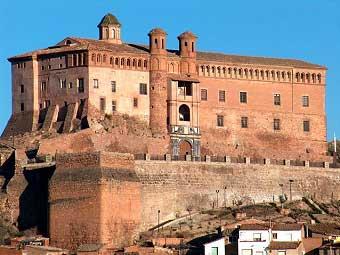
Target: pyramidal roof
109,19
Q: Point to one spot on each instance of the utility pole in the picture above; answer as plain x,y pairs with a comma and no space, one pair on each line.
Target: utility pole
225,202
282,197
159,211
217,191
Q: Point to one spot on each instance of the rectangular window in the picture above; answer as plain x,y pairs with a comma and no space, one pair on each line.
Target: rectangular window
184,88
247,252
306,126
102,104
281,252
305,101
221,95
113,86
22,88
135,102
43,86
257,237
274,235
220,120
204,95
95,83
62,83
80,85
47,103
143,89
244,122
214,251
22,107
277,124
70,85
277,99
114,106
243,97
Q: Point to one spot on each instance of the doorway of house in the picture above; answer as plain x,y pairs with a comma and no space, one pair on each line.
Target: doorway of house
185,148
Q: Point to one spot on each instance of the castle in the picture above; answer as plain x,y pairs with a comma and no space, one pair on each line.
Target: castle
201,102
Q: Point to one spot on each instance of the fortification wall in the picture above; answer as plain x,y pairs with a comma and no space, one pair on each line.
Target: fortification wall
173,187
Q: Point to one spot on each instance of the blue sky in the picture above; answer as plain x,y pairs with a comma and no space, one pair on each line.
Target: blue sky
303,29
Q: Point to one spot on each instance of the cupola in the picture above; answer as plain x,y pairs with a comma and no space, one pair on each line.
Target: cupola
109,29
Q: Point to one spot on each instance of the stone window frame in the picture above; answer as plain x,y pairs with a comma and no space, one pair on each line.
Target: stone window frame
95,83
244,122
222,96
305,100
277,99
277,124
243,97
204,96
219,120
306,125
143,88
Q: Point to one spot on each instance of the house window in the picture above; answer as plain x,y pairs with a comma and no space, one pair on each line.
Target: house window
95,83
113,86
80,85
306,126
277,99
143,89
257,237
305,101
22,107
243,97
185,88
277,124
135,102
220,120
214,250
102,104
184,113
43,86
221,95
114,106
204,95
274,235
281,252
244,122
22,88
247,252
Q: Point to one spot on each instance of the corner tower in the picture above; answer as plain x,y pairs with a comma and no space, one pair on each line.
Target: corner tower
109,29
187,52
158,81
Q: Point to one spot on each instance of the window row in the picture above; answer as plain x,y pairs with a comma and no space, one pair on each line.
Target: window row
102,104
244,97
276,123
143,87
63,85
21,65
120,62
249,73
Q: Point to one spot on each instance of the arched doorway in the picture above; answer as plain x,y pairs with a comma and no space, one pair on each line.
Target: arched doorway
184,113
185,148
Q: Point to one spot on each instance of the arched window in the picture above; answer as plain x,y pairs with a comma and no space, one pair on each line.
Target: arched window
117,61
240,72
251,73
111,60
235,72
229,71
122,62
224,70
213,70
104,58
313,78
308,78
283,76
297,77
267,75
139,63
93,58
128,62
302,77
257,73
246,72
288,76
99,58
262,74
184,113
202,69
68,42
278,75
319,78
145,63
134,62
113,34
273,75
107,33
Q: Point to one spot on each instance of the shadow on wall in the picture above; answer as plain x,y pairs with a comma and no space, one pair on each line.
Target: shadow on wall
7,170
33,202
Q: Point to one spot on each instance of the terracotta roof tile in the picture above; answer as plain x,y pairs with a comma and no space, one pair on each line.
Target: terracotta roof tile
283,245
287,227
254,227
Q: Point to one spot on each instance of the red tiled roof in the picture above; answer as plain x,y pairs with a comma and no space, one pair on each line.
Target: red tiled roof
93,44
286,227
283,245
254,227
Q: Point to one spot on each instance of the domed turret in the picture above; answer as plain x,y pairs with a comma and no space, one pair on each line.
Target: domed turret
109,29
187,44
157,41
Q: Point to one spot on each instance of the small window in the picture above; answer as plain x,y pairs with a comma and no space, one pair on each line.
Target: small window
70,85
143,89
113,86
221,95
114,106
305,101
43,86
135,102
95,83
22,107
42,68
204,95
306,125
244,122
185,43
277,99
277,125
22,88
60,65
274,235
102,104
243,97
49,67
257,237
47,103
220,120
62,83
80,85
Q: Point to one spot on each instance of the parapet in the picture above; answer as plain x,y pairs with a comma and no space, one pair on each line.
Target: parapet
97,159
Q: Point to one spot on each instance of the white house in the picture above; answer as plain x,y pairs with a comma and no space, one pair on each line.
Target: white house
256,239
216,247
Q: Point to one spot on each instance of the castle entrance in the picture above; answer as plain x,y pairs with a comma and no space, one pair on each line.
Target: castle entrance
185,148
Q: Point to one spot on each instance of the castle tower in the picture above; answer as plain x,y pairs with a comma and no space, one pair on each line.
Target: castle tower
109,29
158,81
187,52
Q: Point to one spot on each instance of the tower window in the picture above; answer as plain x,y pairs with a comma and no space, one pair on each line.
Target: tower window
135,102
277,124
193,47
305,101
95,83
306,126
22,107
185,43
244,122
143,89
156,41
204,95
113,34
277,99
184,113
243,97
221,95
22,88
162,43
220,120
43,86
113,86
80,85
